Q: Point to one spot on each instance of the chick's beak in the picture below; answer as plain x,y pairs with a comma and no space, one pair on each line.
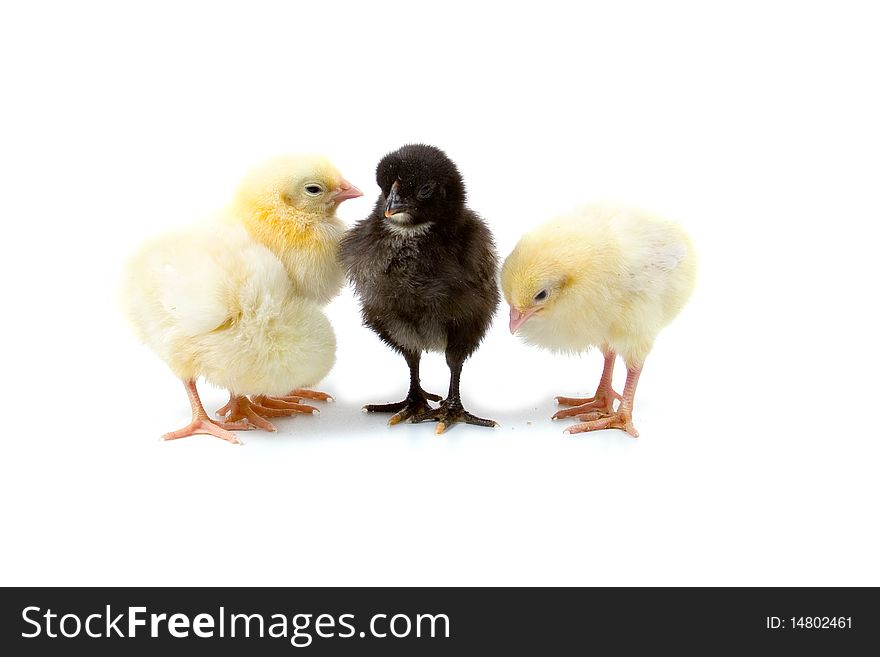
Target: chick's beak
346,191
394,204
518,318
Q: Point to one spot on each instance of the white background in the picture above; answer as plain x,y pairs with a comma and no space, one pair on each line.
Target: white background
754,124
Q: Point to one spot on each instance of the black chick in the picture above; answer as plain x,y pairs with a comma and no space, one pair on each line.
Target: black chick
424,267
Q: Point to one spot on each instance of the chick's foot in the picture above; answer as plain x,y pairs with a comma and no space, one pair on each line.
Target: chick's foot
448,414
292,402
207,426
602,403
415,404
620,419
202,424
256,410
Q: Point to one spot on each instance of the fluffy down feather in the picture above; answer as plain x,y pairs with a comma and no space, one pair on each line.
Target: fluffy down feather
614,276
213,302
302,230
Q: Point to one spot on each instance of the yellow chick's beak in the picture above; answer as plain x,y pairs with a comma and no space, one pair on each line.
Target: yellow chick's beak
345,191
518,318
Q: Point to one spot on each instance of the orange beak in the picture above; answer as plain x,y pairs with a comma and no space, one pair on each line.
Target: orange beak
518,318
346,191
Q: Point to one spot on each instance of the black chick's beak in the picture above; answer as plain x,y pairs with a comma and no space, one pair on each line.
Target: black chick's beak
394,204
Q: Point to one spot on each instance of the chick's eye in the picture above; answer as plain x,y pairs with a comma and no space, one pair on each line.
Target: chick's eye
425,191
313,190
540,296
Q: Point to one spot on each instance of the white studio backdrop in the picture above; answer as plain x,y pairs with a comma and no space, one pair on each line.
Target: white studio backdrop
754,124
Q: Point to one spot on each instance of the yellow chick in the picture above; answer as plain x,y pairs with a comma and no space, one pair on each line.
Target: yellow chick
605,276
237,299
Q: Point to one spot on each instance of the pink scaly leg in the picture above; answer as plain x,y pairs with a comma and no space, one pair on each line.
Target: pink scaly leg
620,419
202,424
602,402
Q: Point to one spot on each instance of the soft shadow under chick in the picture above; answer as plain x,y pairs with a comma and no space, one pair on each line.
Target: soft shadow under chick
424,267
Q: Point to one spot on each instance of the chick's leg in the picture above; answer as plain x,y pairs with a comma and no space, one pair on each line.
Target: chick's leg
619,419
416,400
602,402
451,410
256,410
201,423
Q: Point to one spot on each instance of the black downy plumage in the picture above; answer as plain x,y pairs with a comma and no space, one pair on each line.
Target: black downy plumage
424,267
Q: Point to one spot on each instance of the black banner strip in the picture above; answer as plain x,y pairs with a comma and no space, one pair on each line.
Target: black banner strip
437,621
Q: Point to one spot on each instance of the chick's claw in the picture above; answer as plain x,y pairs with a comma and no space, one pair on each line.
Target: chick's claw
446,415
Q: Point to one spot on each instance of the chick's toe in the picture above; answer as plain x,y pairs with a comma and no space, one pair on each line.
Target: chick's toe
415,404
256,411
308,394
621,419
222,430
282,406
448,414
602,403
